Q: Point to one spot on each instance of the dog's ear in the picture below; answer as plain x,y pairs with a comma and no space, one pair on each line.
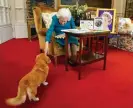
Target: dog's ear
37,57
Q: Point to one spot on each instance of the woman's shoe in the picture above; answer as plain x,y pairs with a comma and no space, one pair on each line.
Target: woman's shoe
72,63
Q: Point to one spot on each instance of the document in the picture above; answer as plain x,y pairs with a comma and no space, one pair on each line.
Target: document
87,24
76,30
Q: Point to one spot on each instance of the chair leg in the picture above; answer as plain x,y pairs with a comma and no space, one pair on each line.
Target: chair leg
55,61
117,42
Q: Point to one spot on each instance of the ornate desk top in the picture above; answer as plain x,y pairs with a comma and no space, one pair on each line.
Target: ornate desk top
77,32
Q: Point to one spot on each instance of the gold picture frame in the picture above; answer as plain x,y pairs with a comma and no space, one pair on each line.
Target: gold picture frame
66,3
111,14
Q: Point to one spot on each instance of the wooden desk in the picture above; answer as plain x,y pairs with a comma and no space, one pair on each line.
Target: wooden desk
96,56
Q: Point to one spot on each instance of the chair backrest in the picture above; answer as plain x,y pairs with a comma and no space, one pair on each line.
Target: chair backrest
37,11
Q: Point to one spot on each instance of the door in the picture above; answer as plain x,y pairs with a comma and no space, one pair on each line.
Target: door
5,21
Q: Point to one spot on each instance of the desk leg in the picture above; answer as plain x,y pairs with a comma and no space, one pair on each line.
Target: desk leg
105,51
66,55
118,41
96,47
91,42
79,73
80,57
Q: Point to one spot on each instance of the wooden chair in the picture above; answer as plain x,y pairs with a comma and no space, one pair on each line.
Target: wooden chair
54,49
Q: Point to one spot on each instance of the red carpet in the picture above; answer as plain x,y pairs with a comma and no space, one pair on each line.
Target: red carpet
112,88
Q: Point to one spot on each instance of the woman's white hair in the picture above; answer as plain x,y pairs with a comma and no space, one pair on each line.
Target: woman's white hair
64,12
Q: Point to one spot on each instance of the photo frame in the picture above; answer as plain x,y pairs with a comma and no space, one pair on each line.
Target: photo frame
87,24
109,16
98,23
91,12
124,25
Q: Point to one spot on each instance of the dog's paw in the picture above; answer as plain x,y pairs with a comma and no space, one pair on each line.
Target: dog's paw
30,98
45,83
36,99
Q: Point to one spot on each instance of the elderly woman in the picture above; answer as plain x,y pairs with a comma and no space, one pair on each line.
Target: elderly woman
62,20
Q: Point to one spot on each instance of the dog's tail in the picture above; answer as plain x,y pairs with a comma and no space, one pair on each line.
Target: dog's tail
19,99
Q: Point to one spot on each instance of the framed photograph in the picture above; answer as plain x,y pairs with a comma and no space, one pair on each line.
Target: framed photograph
98,23
87,24
35,2
109,16
124,25
90,13
64,3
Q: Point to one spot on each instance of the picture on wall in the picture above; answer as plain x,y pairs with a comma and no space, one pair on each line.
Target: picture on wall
109,18
47,2
31,3
67,2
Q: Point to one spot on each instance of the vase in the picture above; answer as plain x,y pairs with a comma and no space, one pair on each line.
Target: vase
77,20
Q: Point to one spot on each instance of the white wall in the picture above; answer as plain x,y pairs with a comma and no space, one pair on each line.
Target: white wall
5,33
12,15
120,5
18,17
6,28
56,4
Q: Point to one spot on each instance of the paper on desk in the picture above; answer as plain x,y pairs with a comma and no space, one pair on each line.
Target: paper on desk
76,30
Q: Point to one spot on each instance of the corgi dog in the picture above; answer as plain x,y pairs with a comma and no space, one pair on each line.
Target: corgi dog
28,84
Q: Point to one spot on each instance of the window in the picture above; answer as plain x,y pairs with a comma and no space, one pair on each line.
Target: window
4,12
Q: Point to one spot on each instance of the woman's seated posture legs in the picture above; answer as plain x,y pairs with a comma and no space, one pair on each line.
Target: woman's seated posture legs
72,51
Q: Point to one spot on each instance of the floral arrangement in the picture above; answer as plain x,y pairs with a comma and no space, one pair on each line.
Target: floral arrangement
77,10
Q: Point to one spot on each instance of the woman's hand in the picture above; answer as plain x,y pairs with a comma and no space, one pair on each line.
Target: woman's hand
46,50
